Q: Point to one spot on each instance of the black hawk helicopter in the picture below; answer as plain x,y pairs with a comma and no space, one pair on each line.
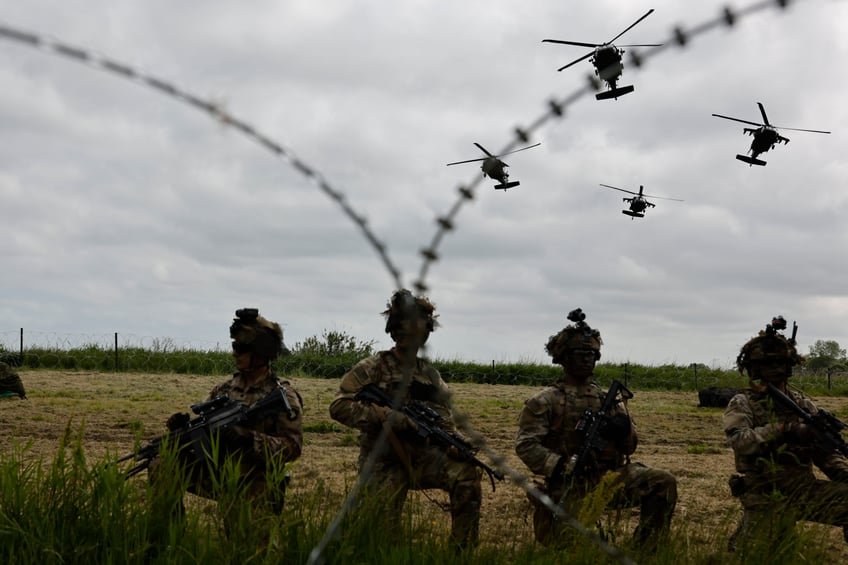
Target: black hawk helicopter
638,204
765,136
494,168
606,58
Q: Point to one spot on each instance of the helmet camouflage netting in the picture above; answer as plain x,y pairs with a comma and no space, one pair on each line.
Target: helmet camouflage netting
259,334
769,345
574,336
403,305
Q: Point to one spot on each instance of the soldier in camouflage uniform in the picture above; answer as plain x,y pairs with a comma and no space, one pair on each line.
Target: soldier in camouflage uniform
270,441
408,462
775,450
548,437
11,385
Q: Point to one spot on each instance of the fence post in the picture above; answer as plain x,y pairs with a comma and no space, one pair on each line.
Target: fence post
21,350
829,385
116,351
695,369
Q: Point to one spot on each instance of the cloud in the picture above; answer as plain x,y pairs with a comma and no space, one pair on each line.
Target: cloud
127,211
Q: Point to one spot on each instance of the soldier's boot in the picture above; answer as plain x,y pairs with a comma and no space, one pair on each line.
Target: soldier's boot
739,533
465,502
654,519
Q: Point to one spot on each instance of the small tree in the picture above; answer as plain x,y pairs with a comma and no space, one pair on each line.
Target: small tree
825,354
334,344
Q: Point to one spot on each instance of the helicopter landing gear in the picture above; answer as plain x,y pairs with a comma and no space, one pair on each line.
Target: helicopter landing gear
751,160
633,214
507,185
614,92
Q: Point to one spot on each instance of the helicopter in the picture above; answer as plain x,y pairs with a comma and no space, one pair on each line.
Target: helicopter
494,168
606,59
765,137
638,203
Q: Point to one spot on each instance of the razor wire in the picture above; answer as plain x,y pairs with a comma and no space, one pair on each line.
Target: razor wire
556,109
214,110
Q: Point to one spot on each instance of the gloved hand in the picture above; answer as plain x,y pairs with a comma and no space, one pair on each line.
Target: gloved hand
800,432
400,422
616,427
397,420
379,414
177,421
238,437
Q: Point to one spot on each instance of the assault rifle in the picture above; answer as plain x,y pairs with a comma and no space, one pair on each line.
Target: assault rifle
828,427
583,463
428,424
213,416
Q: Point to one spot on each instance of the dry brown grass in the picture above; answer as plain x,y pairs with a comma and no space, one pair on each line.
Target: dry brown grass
674,434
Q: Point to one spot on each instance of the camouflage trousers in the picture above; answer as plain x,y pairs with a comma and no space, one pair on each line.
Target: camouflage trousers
773,503
654,491
424,468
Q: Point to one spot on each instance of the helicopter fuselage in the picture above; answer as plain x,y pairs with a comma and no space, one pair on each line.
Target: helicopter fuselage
607,62
638,205
765,138
495,169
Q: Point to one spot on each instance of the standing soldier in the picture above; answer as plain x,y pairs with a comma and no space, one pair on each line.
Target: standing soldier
551,432
775,447
410,462
261,445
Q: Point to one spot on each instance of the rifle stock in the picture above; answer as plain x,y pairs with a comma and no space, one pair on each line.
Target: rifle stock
428,424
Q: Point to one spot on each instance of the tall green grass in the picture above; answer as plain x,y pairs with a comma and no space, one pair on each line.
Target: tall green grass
70,510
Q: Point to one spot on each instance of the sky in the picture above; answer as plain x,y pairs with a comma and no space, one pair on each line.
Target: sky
124,210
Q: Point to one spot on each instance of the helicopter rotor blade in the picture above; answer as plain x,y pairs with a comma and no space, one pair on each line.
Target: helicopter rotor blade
763,112
662,197
621,189
517,150
799,129
577,43
586,56
468,161
738,120
642,45
632,25
483,149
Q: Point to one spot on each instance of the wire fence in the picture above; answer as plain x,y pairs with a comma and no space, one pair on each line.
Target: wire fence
556,110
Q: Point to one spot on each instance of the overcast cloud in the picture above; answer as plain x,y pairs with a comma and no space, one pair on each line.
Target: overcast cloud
126,211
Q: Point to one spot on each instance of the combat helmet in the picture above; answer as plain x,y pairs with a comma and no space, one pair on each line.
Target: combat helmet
403,305
769,345
574,336
252,333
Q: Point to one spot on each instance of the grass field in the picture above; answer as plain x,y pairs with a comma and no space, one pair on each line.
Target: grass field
113,409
